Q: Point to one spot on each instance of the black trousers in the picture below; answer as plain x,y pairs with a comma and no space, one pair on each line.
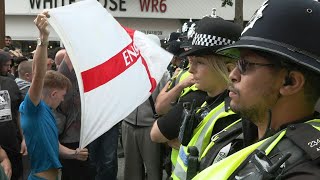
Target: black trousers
74,169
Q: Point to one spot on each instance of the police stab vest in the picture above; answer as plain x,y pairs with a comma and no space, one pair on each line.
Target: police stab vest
200,139
253,162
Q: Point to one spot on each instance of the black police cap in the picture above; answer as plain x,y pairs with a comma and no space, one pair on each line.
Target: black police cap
175,48
212,34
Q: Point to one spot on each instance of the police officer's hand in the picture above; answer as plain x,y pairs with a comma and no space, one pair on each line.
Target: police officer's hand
175,144
189,81
176,72
81,154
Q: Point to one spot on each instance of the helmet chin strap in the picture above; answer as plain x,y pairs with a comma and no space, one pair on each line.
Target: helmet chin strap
269,131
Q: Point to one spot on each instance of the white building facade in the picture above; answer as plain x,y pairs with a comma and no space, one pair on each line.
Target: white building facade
160,17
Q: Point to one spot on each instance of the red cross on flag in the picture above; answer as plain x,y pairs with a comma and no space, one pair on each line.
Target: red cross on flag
117,68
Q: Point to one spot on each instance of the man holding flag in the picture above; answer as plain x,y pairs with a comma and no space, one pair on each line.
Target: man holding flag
40,131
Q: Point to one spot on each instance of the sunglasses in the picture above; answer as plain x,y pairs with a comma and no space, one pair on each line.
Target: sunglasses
243,65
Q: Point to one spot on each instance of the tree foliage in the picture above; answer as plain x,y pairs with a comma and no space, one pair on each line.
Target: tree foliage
226,2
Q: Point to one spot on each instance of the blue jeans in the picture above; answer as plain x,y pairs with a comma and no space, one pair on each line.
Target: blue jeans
103,154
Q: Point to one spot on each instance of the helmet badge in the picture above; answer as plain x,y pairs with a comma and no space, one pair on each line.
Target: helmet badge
191,31
257,15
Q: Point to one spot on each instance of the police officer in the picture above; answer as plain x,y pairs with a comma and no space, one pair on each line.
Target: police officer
169,103
210,71
276,85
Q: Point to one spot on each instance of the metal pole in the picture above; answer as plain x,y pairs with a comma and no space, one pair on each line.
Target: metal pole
2,23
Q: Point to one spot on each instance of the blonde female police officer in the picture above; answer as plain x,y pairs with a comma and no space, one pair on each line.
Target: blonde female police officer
210,72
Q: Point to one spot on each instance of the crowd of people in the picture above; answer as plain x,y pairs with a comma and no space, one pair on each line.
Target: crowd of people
234,104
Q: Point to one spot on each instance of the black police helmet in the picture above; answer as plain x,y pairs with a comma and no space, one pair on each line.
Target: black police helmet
286,28
187,40
175,48
212,34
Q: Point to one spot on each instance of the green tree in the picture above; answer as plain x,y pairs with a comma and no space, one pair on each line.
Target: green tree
238,17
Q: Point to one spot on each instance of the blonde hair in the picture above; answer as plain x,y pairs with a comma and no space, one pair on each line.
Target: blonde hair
56,80
219,63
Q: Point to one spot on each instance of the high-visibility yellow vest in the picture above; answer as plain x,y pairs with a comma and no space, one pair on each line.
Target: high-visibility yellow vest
224,169
180,77
200,139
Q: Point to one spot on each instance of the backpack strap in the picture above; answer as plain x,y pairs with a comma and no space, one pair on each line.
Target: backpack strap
155,115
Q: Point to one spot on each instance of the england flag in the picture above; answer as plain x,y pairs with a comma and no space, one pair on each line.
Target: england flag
117,68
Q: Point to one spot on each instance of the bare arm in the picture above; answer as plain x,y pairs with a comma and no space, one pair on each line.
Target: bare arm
164,99
156,135
79,154
5,163
39,60
23,146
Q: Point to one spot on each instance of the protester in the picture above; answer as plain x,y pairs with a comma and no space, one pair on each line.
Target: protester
25,77
275,87
68,117
59,57
103,154
6,61
15,65
10,131
47,90
24,81
8,43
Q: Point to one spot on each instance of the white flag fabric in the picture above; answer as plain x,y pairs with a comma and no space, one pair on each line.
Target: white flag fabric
117,68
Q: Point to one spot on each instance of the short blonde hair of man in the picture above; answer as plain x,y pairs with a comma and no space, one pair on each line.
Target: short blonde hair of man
56,80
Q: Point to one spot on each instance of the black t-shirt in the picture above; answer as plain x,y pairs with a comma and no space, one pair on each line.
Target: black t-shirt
170,123
9,130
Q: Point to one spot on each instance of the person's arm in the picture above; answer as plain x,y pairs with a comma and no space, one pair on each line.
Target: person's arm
5,163
164,99
23,146
40,60
78,154
156,135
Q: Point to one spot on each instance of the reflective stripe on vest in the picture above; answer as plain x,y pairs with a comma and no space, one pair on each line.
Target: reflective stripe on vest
174,156
200,139
224,168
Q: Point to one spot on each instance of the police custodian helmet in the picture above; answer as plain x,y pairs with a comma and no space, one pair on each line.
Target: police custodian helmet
287,28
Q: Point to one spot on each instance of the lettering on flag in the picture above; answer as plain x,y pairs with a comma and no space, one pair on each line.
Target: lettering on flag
103,73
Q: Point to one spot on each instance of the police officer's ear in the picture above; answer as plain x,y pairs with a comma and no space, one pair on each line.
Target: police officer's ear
293,83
